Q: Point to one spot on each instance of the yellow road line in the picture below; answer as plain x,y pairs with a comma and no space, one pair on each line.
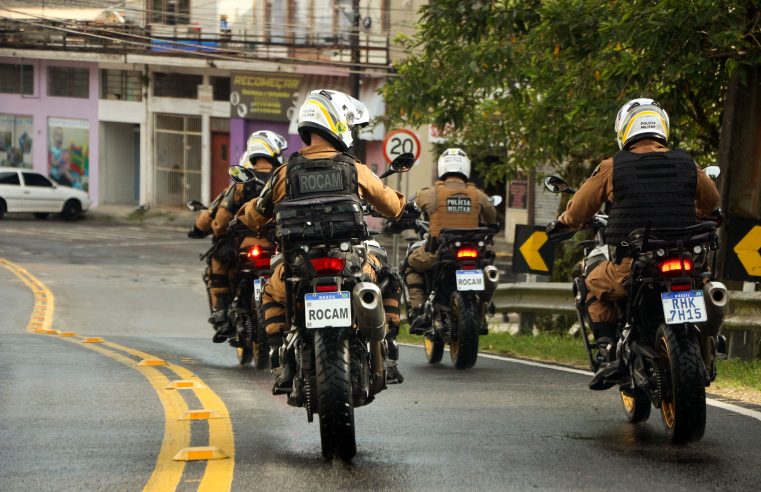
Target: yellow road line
167,474
219,473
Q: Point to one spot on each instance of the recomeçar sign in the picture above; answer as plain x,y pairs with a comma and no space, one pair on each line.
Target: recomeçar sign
264,96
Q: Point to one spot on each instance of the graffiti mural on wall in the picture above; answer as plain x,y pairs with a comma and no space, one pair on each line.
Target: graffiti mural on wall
69,152
16,140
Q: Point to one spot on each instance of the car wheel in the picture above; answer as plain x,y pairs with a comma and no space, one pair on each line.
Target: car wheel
72,209
3,208
41,215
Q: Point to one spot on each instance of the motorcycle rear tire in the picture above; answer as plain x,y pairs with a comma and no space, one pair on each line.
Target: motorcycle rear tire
261,343
434,348
683,411
636,405
334,395
467,317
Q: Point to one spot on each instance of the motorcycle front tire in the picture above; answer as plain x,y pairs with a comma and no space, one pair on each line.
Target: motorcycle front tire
335,405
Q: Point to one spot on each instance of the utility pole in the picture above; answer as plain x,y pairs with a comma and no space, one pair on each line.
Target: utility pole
355,74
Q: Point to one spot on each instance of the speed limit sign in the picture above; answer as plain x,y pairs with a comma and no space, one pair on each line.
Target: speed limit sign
400,142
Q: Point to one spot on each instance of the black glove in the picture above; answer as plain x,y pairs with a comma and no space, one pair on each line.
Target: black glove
237,227
196,233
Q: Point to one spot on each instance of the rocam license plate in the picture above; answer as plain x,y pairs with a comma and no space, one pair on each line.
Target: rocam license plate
684,307
327,309
469,279
258,290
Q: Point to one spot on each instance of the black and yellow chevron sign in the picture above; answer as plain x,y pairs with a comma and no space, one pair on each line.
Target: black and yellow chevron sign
743,259
532,252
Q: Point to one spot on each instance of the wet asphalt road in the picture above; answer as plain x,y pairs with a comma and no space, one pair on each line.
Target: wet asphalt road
72,419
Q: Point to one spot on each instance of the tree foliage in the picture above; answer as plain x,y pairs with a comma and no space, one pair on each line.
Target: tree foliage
539,82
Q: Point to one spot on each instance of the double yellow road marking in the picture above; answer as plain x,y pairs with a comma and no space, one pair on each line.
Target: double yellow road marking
175,449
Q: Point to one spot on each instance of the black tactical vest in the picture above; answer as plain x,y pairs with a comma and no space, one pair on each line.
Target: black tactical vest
325,177
656,189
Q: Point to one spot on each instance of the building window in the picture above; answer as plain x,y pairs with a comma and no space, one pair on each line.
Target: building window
16,79
69,82
221,87
16,137
121,85
169,12
176,85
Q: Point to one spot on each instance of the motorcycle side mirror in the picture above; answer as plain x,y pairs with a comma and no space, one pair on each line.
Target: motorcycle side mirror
555,184
401,164
195,206
240,174
713,172
495,200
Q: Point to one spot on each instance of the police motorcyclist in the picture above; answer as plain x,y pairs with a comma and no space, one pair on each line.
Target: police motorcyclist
451,202
645,184
264,150
325,123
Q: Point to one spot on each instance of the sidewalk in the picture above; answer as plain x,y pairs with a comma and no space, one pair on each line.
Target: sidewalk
172,218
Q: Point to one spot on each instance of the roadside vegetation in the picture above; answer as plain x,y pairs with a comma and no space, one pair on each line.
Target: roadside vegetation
737,379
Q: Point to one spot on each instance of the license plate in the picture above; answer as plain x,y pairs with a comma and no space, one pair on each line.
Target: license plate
469,279
327,309
684,307
258,290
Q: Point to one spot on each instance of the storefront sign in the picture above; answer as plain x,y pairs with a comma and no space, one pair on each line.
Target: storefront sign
69,152
264,96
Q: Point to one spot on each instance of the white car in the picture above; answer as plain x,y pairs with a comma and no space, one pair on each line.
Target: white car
24,190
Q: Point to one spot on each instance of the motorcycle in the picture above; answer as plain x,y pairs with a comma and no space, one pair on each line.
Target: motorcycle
335,315
460,287
251,268
669,333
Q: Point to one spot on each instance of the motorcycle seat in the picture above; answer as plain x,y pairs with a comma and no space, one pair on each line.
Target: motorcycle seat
648,240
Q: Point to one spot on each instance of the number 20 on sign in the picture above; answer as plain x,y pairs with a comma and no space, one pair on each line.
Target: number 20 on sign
401,141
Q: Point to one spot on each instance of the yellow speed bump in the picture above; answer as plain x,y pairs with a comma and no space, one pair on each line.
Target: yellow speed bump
200,453
93,340
201,414
68,334
184,384
152,362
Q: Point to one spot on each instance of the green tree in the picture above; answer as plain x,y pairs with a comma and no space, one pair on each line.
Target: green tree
539,82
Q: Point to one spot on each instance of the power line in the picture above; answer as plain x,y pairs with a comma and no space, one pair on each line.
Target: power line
219,53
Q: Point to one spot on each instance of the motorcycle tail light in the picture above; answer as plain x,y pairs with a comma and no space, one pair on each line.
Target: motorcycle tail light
328,265
465,253
681,287
676,267
262,262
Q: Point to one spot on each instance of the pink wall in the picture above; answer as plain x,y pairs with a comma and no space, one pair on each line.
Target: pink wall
41,107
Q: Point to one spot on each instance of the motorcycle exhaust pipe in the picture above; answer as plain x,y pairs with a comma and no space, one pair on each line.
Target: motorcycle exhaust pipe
491,280
716,299
368,308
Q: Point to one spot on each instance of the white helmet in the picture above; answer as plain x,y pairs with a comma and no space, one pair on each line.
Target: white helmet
641,118
454,161
332,115
266,144
244,161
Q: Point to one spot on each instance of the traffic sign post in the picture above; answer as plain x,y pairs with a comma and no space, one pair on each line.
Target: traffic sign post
532,252
399,142
743,259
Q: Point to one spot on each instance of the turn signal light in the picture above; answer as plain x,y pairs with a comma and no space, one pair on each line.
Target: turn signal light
464,253
255,251
674,267
328,265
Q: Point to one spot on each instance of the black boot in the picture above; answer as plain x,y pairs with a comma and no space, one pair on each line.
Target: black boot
284,382
417,319
609,373
219,320
393,376
275,342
